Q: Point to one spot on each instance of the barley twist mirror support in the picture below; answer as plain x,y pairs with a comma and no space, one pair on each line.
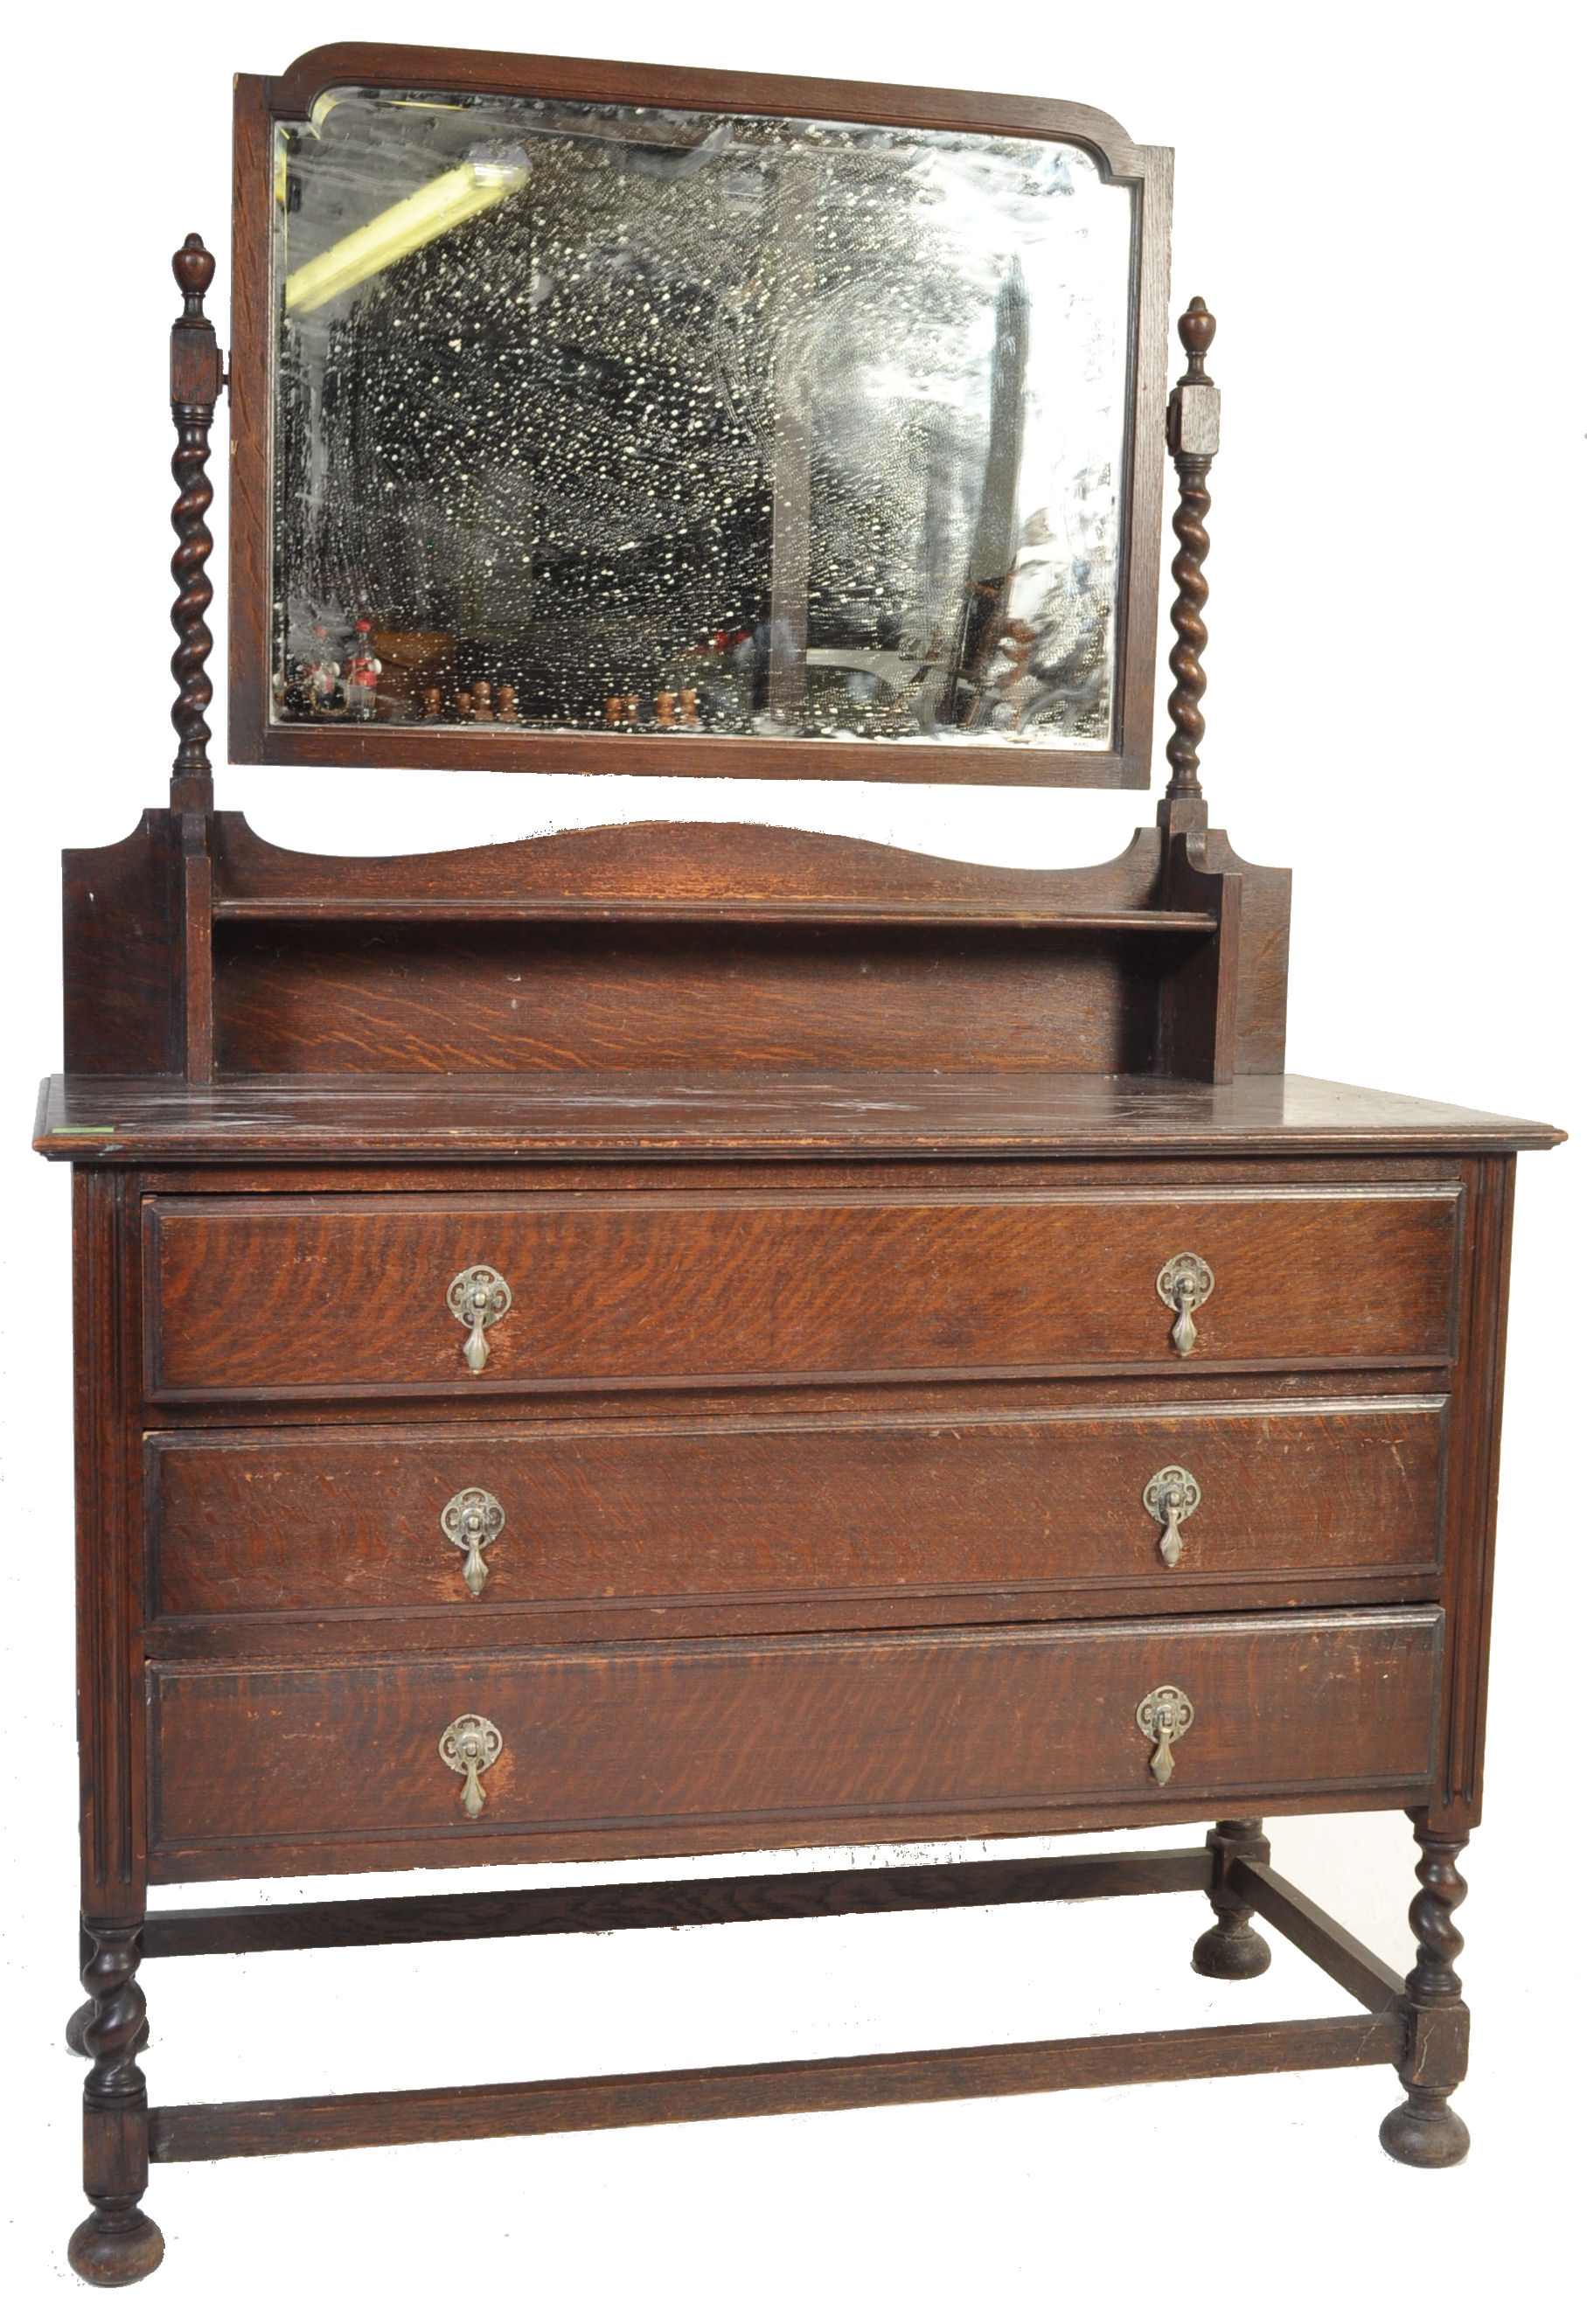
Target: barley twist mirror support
197,378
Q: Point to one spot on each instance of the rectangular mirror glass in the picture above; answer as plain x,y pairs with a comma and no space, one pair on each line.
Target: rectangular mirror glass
600,417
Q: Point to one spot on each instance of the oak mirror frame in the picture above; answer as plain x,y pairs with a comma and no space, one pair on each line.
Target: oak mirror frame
610,417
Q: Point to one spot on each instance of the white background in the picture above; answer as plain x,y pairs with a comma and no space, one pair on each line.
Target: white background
1381,203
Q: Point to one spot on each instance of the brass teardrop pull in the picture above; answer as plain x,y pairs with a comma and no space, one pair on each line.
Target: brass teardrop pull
470,1745
1184,1284
471,1521
478,1297
1163,1716
1172,1496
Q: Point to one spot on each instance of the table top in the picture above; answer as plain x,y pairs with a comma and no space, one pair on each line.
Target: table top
436,1116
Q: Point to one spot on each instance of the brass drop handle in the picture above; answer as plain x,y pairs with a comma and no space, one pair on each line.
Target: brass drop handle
1163,1716
478,1297
469,1746
1172,1496
471,1521
1184,1283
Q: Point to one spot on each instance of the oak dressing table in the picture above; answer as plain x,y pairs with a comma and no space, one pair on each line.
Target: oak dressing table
685,1339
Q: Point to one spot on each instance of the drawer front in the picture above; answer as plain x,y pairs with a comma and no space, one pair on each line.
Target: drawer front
861,1509
632,1749
294,1294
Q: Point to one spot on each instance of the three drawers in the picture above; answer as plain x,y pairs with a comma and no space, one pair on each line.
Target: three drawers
717,1744
316,1295
711,1594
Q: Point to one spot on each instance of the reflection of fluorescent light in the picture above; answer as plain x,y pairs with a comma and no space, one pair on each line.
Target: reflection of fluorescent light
488,177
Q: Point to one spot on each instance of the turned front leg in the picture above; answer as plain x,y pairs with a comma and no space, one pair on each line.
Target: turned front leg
115,2244
1233,1948
1425,2129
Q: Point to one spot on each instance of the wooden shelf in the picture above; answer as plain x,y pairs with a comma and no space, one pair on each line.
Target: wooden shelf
707,912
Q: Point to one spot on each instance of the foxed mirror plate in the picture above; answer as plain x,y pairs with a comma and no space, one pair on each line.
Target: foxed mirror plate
607,418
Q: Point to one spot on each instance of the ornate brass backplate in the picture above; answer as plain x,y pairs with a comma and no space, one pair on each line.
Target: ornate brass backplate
471,1520
478,1297
1172,1496
1163,1716
470,1745
1184,1283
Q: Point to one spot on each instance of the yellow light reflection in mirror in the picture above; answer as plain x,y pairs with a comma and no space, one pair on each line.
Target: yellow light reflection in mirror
478,184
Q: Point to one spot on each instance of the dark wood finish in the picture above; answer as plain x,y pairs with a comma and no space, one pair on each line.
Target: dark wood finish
1349,1963
115,2244
813,1165
802,1511
902,1283
123,954
645,1750
261,103
206,2134
1192,466
197,950
493,999
730,875
706,948
1423,2129
196,378
672,1904
105,1298
1474,1487
349,1120
1231,1948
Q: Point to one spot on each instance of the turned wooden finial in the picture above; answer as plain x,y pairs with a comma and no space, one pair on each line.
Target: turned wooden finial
1197,330
1192,440
195,382
194,268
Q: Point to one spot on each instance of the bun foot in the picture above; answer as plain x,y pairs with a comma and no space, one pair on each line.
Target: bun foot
1230,1952
115,2248
1233,1948
1425,2131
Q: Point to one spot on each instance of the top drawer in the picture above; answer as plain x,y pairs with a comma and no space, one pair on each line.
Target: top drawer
296,1293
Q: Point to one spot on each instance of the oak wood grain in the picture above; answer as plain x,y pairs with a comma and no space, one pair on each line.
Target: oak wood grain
766,1285
716,948
856,1512
348,1118
657,1746
110,1585
489,999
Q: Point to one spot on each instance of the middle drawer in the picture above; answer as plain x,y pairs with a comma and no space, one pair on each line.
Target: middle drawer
861,1509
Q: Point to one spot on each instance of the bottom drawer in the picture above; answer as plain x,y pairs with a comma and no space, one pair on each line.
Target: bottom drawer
722,1744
